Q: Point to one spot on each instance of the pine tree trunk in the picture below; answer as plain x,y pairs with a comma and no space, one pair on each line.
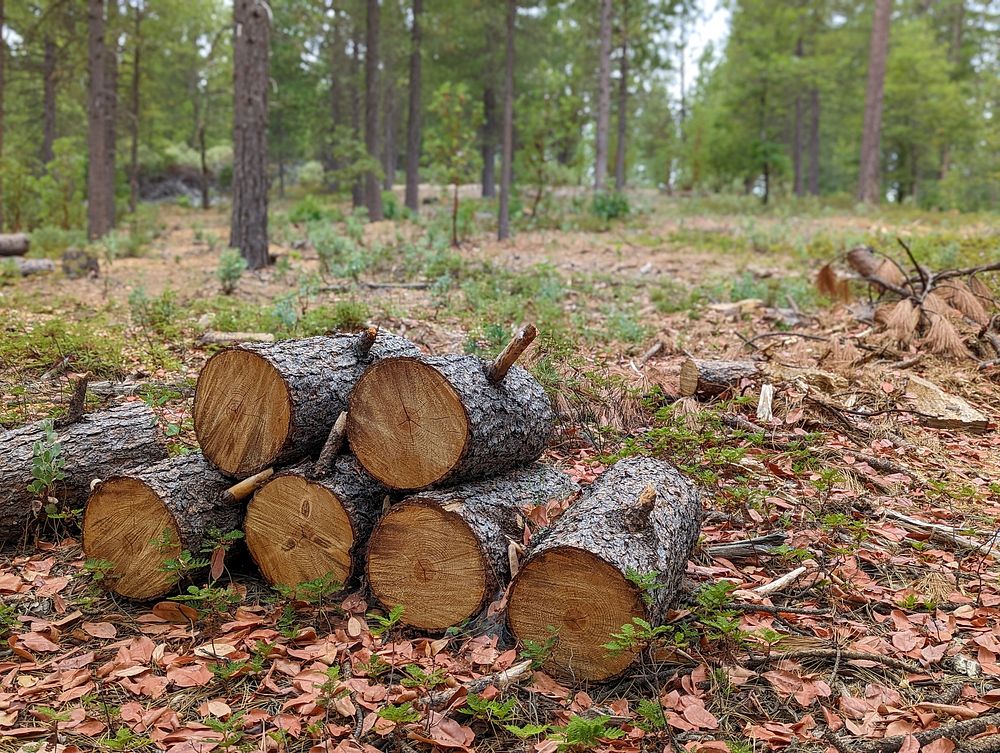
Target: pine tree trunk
248,226
358,187
797,161
111,122
259,405
48,100
3,89
100,172
143,518
458,424
414,119
133,197
814,136
622,105
584,575
869,182
300,528
507,157
95,446
489,147
336,51
389,145
442,555
603,98
373,192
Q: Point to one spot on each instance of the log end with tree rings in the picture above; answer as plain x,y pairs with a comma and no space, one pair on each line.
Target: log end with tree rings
406,423
427,560
127,524
242,412
580,612
298,530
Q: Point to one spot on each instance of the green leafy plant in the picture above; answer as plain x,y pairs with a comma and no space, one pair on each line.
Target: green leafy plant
647,583
491,711
402,713
47,462
609,206
313,591
417,677
651,715
231,268
581,733
540,652
526,731
385,623
126,740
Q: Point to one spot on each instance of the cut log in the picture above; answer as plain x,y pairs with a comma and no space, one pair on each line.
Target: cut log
26,267
709,378
941,410
443,554
259,405
14,244
300,528
639,521
97,445
142,519
415,422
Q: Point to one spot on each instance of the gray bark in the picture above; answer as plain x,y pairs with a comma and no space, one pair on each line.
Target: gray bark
26,267
620,147
96,446
373,191
251,39
869,175
100,162
604,523
507,161
320,373
489,147
603,97
14,244
414,120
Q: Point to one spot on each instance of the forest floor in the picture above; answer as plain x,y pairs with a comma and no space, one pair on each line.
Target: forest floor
884,637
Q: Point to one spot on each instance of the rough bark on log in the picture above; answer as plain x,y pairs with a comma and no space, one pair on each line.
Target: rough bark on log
96,445
257,405
443,554
14,244
416,422
299,528
142,519
582,575
26,267
713,377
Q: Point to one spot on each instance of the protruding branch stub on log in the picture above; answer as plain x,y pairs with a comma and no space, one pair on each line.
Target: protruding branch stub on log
76,403
365,342
497,370
244,489
638,517
333,445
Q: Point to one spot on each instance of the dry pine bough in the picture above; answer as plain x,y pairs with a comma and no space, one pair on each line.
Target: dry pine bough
260,405
94,446
581,579
443,554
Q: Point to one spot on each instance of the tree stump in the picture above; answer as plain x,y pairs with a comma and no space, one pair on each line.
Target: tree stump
582,575
140,520
258,405
14,244
416,422
709,378
442,554
299,528
95,446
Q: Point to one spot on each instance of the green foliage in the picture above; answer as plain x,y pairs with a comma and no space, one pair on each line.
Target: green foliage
8,620
489,711
47,462
212,599
403,713
231,267
647,583
633,636
526,731
313,591
416,677
610,206
385,623
651,715
581,733
126,741
99,570
540,652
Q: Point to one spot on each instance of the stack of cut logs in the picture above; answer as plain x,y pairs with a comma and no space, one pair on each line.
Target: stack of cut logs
430,502
13,247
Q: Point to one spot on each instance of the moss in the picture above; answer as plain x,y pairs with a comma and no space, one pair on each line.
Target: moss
88,345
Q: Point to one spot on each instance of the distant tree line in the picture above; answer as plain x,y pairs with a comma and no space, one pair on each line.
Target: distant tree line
875,99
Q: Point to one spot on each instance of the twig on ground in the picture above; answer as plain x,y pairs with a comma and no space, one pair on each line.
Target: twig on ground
500,679
785,580
833,653
955,731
